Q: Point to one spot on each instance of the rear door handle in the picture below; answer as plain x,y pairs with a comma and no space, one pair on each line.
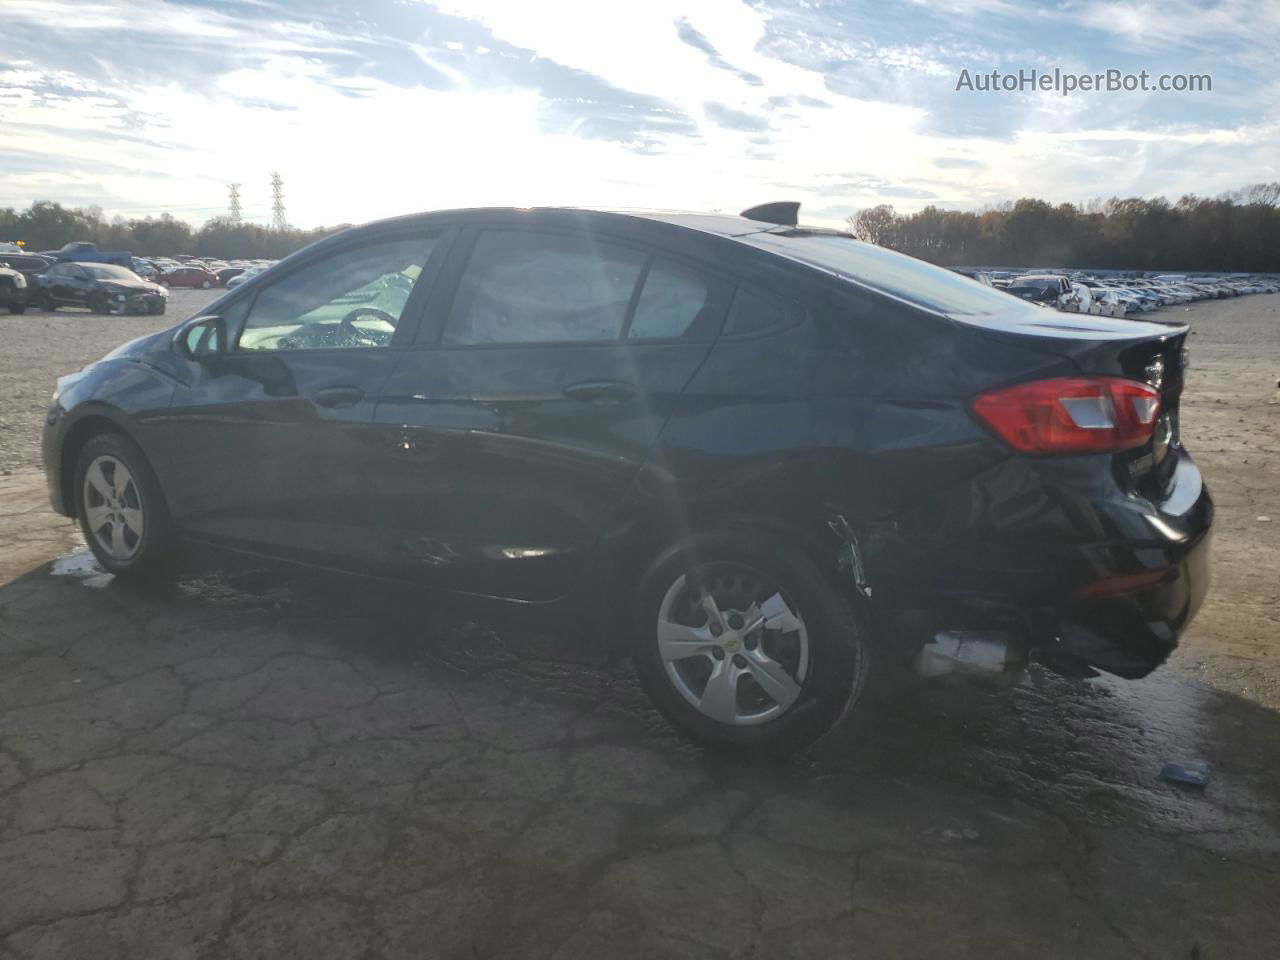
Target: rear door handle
601,391
337,397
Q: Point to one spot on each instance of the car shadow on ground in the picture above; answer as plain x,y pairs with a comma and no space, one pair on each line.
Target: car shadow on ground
255,758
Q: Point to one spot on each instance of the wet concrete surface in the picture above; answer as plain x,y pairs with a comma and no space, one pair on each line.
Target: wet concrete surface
254,765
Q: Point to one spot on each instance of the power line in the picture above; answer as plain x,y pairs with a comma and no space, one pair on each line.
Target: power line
234,214
278,221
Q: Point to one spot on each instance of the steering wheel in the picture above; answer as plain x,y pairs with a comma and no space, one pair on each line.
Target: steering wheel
348,332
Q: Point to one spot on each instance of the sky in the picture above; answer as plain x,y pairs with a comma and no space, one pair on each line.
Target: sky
371,108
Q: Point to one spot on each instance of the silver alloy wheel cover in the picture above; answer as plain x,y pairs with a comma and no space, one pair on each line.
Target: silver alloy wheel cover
677,642
113,507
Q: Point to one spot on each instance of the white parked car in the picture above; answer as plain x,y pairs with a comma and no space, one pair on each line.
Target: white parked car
1078,300
1109,303
249,274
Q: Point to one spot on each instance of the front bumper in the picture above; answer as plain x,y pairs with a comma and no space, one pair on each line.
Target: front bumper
51,442
138,303
1099,579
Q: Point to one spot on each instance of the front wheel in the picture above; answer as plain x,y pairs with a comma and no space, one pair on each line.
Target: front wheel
47,304
742,643
120,507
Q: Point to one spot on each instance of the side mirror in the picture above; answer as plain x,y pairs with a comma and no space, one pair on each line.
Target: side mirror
201,339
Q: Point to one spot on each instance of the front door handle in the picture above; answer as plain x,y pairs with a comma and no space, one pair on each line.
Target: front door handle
601,391
337,397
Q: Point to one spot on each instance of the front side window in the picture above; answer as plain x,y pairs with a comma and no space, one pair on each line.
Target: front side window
346,300
526,287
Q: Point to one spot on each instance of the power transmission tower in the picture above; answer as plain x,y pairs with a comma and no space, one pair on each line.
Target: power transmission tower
278,221
235,214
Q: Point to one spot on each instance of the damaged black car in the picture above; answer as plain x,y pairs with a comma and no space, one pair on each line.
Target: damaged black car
765,461
101,288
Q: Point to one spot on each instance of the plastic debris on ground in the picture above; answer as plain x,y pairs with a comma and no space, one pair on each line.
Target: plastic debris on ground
1195,773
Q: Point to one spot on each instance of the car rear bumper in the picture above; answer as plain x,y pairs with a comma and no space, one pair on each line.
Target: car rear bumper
1108,581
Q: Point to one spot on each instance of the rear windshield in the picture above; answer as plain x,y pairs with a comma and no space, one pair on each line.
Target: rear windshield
1038,284
915,281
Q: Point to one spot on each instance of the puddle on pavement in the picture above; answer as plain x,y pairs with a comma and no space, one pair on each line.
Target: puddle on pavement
82,565
1090,751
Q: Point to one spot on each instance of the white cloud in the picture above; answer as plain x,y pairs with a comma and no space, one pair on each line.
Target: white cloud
856,115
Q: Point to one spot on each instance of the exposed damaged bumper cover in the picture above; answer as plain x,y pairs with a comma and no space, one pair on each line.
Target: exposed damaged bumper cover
1110,583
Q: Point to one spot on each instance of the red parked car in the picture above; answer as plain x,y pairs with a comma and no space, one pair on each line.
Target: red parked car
189,277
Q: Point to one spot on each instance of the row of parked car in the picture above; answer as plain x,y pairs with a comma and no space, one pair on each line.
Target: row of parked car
104,284
1122,296
197,272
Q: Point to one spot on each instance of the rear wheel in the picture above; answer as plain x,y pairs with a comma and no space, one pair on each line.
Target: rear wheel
120,507
205,284
17,308
98,303
743,644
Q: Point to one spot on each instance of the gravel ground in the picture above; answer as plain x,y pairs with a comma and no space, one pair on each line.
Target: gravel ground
37,347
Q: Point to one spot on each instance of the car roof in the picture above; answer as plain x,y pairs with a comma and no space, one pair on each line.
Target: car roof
720,224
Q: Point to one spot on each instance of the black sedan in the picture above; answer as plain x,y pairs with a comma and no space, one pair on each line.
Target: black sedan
100,287
744,452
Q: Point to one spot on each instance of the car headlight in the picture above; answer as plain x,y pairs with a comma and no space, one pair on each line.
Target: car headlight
65,383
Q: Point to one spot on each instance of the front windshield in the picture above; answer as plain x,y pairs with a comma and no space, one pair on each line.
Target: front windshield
907,278
107,271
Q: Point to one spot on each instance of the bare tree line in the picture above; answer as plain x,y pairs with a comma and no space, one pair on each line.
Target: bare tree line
47,226
1238,231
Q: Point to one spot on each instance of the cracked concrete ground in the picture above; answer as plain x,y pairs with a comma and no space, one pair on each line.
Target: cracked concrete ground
251,765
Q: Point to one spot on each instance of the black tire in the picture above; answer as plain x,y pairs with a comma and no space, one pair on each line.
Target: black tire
98,303
839,649
17,308
47,304
205,284
153,554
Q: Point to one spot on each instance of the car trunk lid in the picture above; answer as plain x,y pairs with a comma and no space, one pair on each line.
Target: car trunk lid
1154,353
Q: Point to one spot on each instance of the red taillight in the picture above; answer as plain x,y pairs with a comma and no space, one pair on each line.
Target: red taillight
1072,414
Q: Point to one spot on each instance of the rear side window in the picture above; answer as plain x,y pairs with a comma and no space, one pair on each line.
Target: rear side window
676,300
529,287
755,311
